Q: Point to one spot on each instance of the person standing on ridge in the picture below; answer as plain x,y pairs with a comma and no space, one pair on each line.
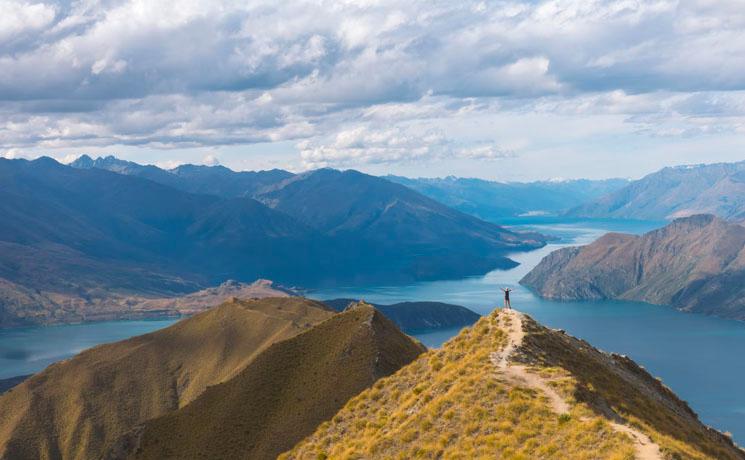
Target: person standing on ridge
507,297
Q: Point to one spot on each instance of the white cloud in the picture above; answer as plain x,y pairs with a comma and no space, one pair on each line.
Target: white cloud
223,72
210,160
365,145
485,152
20,18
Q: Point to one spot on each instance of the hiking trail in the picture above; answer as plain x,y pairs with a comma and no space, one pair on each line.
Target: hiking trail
511,321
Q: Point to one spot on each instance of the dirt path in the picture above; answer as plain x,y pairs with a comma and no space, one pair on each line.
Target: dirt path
511,321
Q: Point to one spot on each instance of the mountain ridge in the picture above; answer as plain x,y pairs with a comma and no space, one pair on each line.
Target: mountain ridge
251,418
76,407
416,316
508,387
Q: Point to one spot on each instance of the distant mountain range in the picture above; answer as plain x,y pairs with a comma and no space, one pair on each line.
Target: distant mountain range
694,264
290,377
202,180
73,237
497,201
673,192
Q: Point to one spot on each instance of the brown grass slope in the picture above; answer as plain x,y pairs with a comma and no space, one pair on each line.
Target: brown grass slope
74,408
283,395
694,264
457,403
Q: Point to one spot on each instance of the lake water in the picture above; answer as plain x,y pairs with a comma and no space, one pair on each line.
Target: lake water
699,357
27,350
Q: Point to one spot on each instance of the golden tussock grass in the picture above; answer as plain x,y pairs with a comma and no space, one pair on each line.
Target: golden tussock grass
450,403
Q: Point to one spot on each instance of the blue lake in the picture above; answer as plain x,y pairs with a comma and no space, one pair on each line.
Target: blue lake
27,350
699,357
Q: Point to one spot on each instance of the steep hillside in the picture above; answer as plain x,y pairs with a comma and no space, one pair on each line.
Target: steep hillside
510,388
224,182
682,191
413,316
694,264
496,201
281,396
375,220
134,227
76,407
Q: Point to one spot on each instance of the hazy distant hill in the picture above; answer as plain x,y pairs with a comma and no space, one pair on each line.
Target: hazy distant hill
283,395
510,388
75,408
495,201
413,316
681,191
694,264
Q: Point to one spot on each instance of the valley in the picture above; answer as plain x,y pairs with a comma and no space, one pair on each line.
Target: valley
378,230
690,352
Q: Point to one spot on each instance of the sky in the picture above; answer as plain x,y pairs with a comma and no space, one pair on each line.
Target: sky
505,90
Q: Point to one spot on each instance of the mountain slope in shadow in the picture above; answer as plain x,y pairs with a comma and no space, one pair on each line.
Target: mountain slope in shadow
77,239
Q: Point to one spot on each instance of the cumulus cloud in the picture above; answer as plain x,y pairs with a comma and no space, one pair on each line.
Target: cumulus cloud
222,72
20,19
364,145
210,160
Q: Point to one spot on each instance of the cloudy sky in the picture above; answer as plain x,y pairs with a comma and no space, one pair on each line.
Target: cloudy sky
507,90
